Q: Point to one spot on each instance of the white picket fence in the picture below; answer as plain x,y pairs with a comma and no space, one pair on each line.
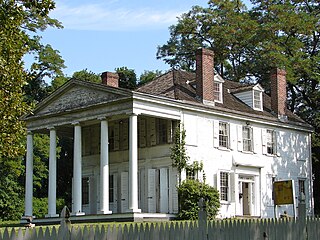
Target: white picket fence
277,229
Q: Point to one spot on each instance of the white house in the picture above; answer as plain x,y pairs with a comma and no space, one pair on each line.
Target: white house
244,138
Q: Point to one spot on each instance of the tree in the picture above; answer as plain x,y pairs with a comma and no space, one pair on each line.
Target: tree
19,20
179,154
127,78
148,76
248,43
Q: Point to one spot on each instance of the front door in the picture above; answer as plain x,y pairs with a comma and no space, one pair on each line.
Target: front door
245,198
246,195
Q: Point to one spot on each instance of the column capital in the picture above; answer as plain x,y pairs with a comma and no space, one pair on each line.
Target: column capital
51,128
29,132
103,118
76,124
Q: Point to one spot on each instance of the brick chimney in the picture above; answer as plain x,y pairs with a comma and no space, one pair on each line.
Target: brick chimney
205,75
111,79
278,92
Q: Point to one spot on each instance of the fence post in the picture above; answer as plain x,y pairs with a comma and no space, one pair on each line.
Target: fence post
202,219
302,215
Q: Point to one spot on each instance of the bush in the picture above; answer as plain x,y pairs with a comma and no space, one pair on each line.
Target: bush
190,191
40,206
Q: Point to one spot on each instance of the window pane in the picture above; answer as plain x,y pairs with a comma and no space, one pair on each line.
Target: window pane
257,99
224,185
247,138
270,142
223,135
161,131
217,91
301,186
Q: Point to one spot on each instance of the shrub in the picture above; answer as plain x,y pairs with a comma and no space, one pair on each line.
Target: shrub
40,206
190,191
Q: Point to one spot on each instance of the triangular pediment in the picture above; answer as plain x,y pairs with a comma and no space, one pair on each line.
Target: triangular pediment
78,95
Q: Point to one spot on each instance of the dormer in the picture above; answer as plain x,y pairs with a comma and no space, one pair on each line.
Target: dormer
218,88
250,95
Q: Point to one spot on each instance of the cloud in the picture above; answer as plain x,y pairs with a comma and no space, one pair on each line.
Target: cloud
103,17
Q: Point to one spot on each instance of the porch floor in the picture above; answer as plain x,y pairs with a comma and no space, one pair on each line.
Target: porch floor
116,217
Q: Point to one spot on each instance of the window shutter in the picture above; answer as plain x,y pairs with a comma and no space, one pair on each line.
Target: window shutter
152,127
240,138
277,145
152,190
264,141
116,136
233,136
256,140
174,183
115,194
124,192
218,181
169,131
142,132
231,186
216,133
125,133
164,190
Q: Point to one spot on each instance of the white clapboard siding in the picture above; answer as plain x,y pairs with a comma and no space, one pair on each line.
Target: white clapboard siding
124,192
256,140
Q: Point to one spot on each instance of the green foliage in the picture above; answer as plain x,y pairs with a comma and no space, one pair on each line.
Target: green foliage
178,154
87,75
148,76
190,191
40,206
127,78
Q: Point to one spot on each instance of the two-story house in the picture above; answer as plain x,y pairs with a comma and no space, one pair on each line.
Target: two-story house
245,139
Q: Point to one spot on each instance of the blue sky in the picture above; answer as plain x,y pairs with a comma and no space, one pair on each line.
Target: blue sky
101,35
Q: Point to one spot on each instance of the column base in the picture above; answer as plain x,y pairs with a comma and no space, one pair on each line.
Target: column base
51,215
137,210
78,214
105,212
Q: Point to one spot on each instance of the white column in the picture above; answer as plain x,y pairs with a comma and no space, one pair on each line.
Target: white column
133,164
77,174
29,176
52,212
104,169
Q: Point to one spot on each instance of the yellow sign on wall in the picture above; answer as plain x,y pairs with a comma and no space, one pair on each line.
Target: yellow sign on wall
283,192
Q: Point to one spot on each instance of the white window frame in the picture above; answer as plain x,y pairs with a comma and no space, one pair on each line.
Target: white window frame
271,143
219,186
224,135
245,141
217,91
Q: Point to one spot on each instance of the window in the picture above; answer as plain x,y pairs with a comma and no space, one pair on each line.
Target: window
223,134
302,186
111,189
271,142
257,102
217,91
161,131
85,190
224,186
247,138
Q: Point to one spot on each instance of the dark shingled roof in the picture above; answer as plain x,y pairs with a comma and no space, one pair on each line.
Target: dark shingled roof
180,85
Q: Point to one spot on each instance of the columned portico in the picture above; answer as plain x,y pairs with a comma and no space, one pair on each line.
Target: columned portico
29,176
133,164
77,171
104,169
52,175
